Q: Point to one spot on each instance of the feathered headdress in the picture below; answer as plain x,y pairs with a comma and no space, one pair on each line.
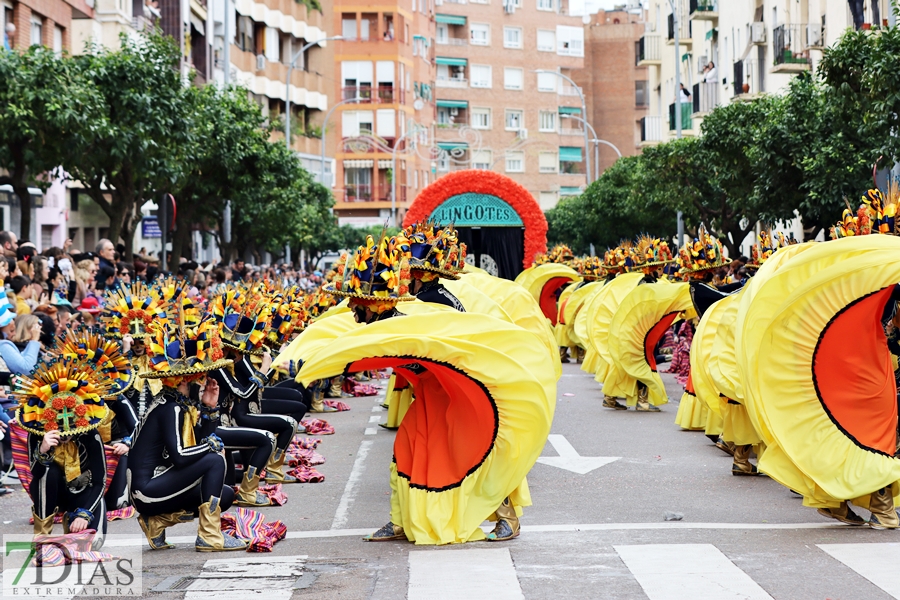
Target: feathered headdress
650,252
129,309
560,254
701,254
592,268
377,272
244,314
434,248
64,395
288,315
100,353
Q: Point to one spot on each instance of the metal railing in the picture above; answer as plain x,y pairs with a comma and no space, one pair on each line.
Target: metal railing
648,48
571,131
705,97
457,123
703,6
383,94
451,83
651,129
738,79
686,122
357,192
789,45
684,27
452,41
568,90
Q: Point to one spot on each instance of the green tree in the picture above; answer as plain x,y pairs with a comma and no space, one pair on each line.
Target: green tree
133,151
44,102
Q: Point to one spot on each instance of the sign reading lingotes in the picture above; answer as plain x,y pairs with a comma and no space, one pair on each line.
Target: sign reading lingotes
476,210
150,228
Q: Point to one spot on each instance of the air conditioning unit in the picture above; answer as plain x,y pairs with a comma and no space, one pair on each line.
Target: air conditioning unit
814,35
260,62
758,33
454,111
523,134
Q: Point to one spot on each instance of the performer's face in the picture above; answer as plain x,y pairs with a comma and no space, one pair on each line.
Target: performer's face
138,347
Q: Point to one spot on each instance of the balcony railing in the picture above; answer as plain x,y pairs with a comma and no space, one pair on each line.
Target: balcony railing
568,90
648,49
457,123
738,79
705,97
790,47
571,131
454,82
684,30
651,129
703,8
383,94
357,192
452,41
385,190
686,122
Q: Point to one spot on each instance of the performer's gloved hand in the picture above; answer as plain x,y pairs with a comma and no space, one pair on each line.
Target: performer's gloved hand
79,519
214,442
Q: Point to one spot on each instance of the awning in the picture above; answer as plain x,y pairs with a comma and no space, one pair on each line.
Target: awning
566,190
450,19
385,163
569,154
711,33
569,110
453,62
453,103
453,145
359,164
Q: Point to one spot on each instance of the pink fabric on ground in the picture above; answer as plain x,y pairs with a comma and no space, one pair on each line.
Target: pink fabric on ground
317,427
249,525
340,406
274,493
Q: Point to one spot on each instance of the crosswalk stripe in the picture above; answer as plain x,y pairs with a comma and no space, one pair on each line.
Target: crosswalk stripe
463,574
688,572
876,562
237,578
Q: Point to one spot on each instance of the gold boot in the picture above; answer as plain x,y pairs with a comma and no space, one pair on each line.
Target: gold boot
881,504
209,532
564,354
335,390
43,526
611,402
842,513
579,354
248,494
318,402
742,464
507,523
643,402
154,527
275,469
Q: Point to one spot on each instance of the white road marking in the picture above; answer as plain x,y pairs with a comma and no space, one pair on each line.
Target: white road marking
688,572
236,578
343,509
570,460
463,574
374,419
377,409
371,431
875,562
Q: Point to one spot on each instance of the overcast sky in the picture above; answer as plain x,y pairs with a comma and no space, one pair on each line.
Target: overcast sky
592,6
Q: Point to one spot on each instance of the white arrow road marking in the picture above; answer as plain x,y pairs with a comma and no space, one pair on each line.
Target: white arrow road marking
570,460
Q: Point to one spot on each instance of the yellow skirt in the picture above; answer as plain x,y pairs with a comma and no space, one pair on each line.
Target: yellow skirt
398,401
602,308
692,413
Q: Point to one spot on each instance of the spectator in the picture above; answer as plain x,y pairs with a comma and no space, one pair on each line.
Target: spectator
84,279
125,273
9,243
23,332
18,362
107,253
105,278
238,270
40,280
685,94
710,73
21,287
9,37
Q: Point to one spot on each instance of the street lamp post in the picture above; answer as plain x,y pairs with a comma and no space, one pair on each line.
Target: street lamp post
597,141
324,126
287,84
583,112
675,24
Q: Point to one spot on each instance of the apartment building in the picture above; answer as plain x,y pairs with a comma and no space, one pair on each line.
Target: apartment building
735,50
505,97
616,87
384,110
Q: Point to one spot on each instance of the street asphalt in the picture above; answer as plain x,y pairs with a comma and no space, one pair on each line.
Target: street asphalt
574,537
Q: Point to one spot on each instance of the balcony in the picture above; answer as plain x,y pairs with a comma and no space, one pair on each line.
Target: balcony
705,98
386,190
453,82
568,90
790,49
451,41
357,192
704,10
651,131
383,94
684,31
748,80
686,122
648,51
571,131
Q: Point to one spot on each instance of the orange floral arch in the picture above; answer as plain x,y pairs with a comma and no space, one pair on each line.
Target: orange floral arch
489,183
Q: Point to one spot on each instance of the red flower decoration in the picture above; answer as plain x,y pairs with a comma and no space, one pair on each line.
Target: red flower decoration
80,410
123,328
70,402
82,423
51,426
58,403
48,415
486,182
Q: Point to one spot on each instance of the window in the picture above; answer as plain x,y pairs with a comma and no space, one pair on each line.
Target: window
547,82
545,4
482,159
514,120
547,120
512,37
37,30
548,162
57,47
546,40
641,93
569,40
386,123
515,162
513,78
548,200
348,28
443,33
443,162
480,34
481,118
357,122
481,76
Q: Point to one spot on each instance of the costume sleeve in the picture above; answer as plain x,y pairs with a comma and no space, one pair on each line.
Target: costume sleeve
234,384
180,454
95,456
20,363
37,461
249,376
126,418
